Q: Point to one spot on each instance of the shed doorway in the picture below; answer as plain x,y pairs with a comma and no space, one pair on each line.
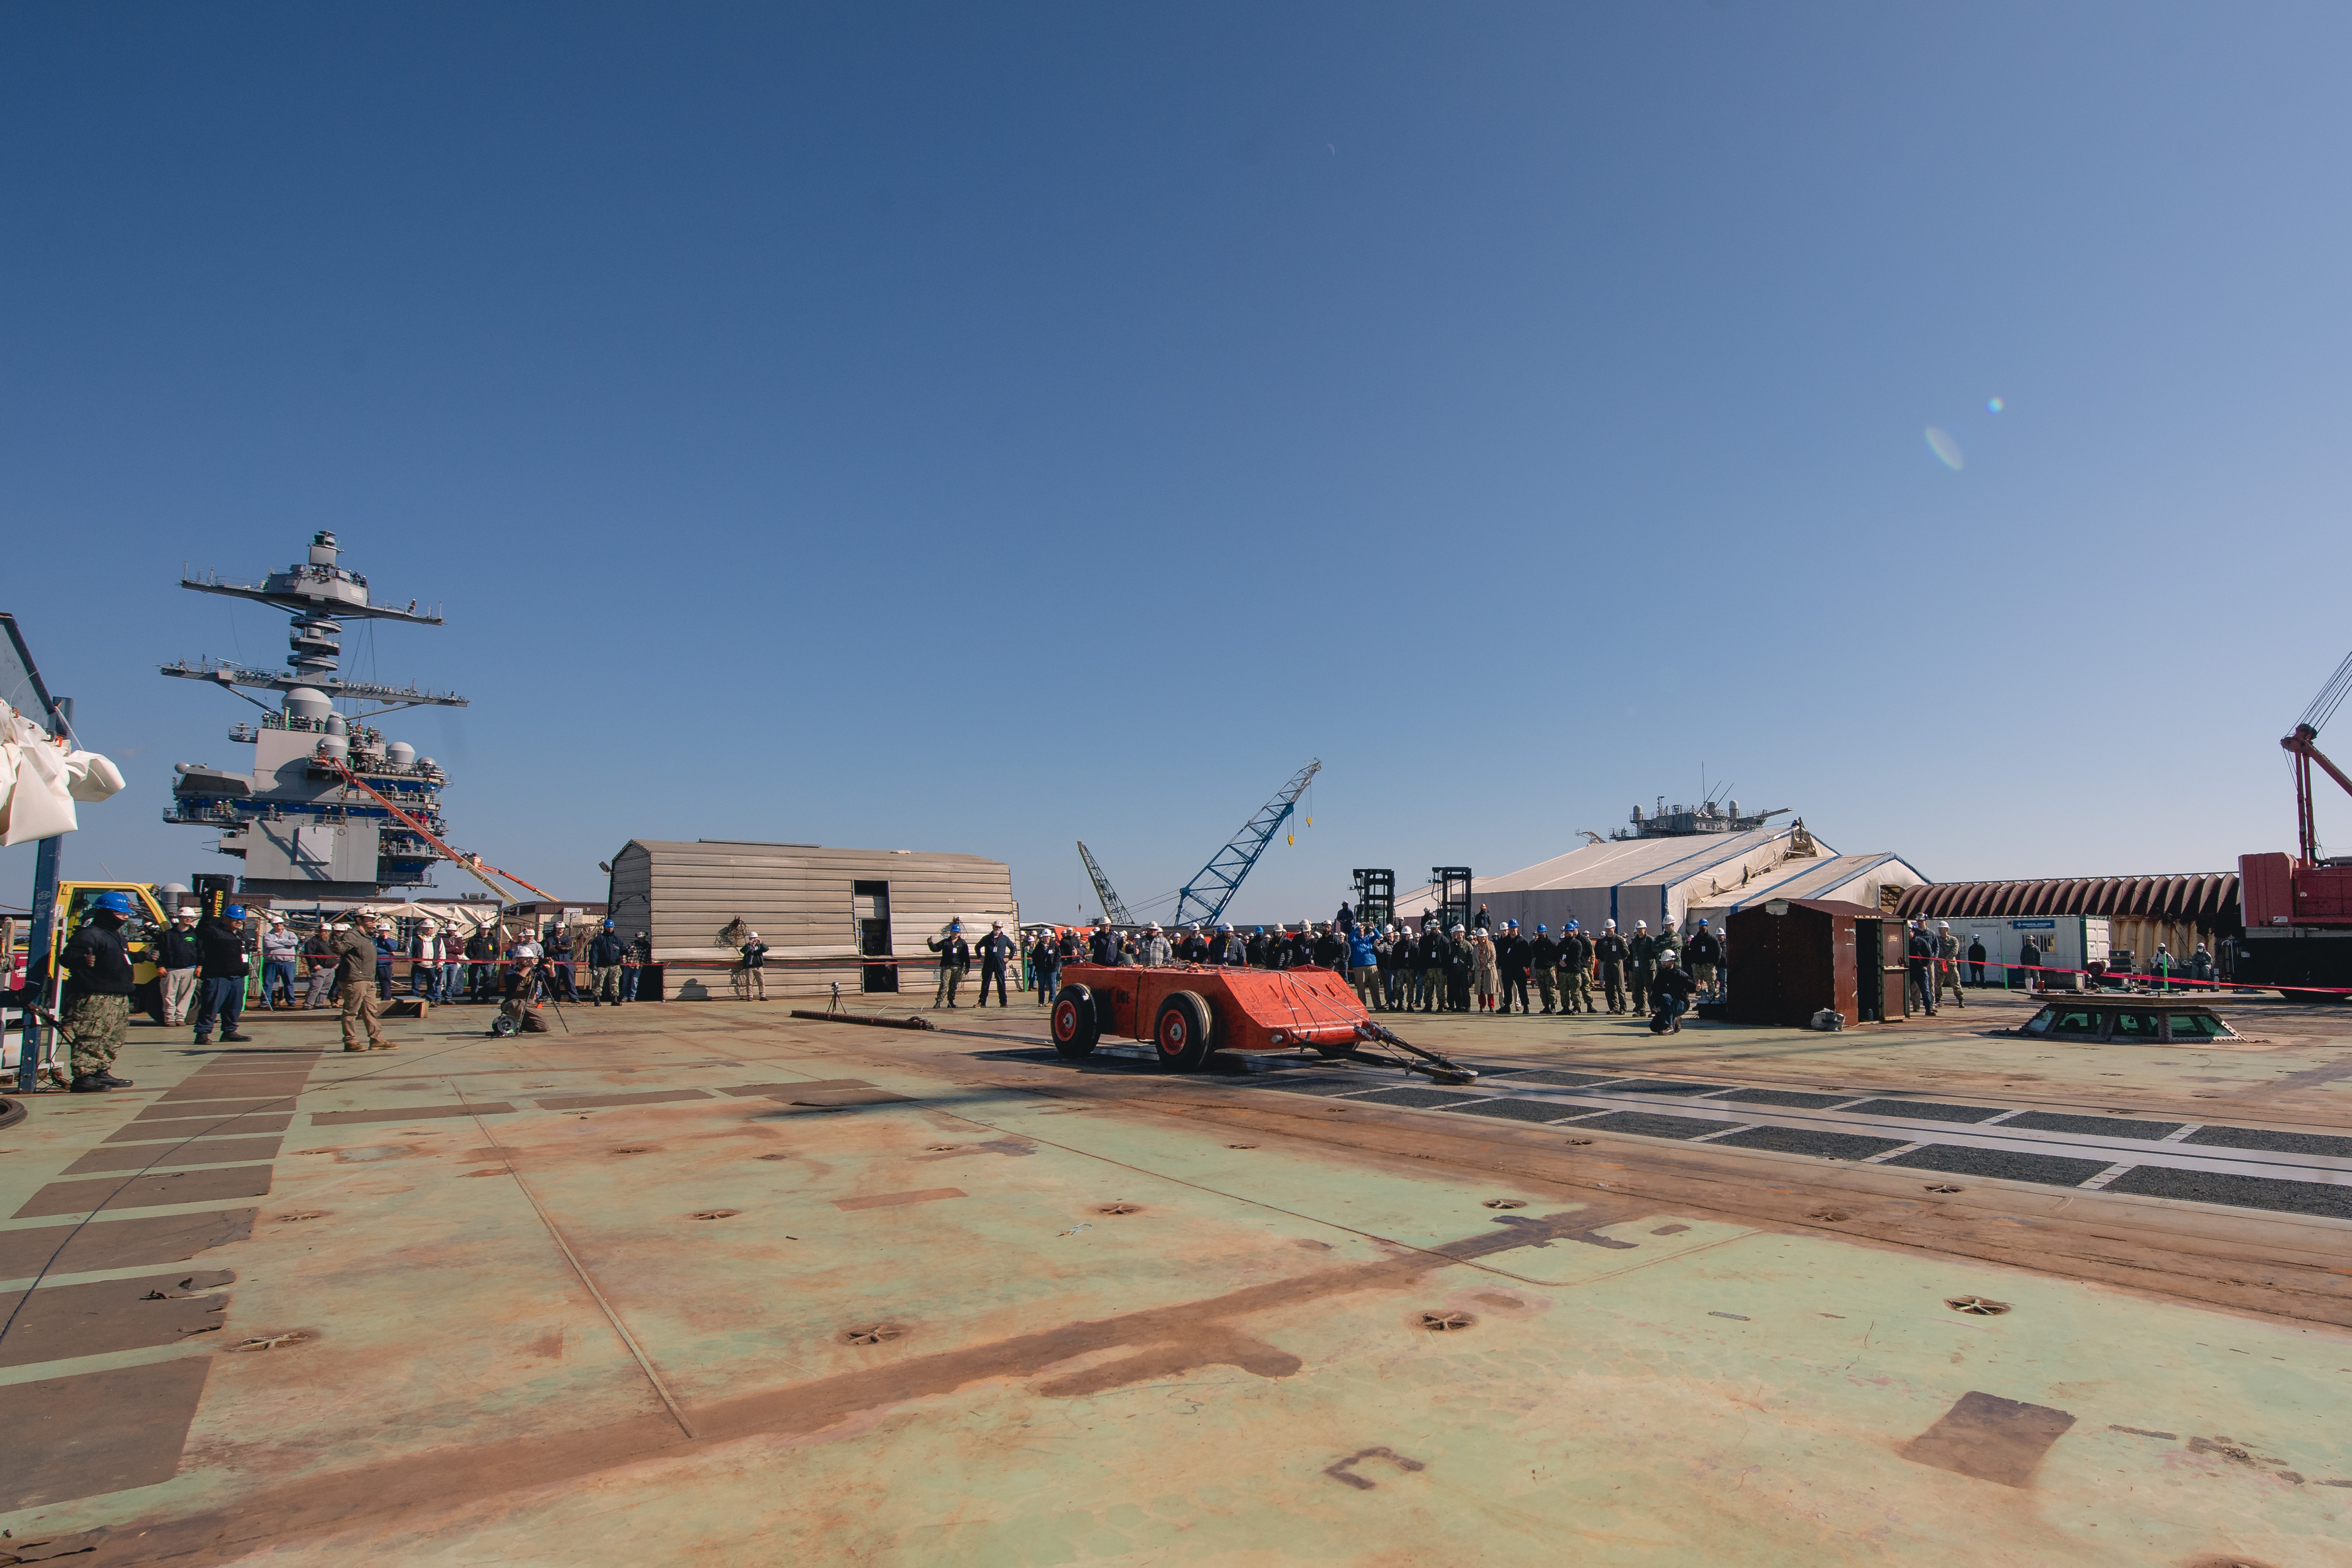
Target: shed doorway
870,908
1869,972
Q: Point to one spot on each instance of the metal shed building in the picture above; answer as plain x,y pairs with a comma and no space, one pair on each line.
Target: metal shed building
857,917
2178,910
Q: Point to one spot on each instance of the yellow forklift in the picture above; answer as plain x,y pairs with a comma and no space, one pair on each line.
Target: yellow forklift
140,935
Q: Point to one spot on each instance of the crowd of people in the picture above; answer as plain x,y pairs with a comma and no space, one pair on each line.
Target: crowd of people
1470,966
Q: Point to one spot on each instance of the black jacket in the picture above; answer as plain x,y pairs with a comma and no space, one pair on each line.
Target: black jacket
1976,951
1672,979
1705,948
1436,949
1331,950
1610,951
97,963
176,949
1922,951
755,955
1643,950
1511,955
996,949
606,952
1576,951
220,948
1544,953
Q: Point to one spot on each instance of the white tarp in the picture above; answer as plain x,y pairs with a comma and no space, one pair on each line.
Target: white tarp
40,780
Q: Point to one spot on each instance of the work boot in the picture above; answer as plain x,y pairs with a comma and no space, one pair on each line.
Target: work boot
106,1076
234,1039
355,1048
87,1083
203,1039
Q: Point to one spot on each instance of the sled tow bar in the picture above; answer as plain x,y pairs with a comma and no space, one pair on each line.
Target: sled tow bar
1415,1060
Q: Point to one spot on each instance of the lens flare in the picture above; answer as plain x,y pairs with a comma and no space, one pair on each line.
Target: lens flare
1994,406
1947,450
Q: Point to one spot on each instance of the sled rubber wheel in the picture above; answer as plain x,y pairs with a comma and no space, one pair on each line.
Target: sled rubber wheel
1181,1032
1076,1026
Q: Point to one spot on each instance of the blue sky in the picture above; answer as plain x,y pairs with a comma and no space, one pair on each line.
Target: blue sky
983,427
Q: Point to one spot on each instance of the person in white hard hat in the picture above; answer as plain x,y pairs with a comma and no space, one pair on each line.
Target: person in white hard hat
1610,952
318,958
1157,950
755,967
180,961
425,960
1640,963
995,951
281,954
1947,963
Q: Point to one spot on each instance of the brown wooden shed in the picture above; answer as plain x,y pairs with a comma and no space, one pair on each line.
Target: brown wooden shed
1786,959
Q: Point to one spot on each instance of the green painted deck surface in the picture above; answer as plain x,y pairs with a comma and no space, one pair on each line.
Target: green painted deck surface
1237,1369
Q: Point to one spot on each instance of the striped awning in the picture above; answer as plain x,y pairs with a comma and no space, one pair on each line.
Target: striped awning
2207,899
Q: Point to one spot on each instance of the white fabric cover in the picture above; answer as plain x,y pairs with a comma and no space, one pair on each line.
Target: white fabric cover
39,803
90,777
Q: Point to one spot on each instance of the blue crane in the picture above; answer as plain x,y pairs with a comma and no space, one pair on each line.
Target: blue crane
1204,898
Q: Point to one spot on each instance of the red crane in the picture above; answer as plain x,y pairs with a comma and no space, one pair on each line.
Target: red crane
2298,907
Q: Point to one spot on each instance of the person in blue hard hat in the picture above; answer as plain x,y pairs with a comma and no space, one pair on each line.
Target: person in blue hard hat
220,977
95,1004
1576,959
1704,951
1543,958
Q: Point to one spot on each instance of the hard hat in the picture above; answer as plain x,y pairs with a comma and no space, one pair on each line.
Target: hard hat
1702,920
1457,927
1510,925
187,912
235,911
1666,955
1570,926
1640,925
1608,925
1541,928
607,926
1947,925
116,902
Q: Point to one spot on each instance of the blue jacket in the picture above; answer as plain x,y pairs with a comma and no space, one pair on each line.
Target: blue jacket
1359,949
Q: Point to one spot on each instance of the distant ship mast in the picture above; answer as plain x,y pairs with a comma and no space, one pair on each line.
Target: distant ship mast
300,827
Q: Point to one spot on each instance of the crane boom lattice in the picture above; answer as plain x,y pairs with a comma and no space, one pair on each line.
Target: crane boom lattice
1204,898
1113,910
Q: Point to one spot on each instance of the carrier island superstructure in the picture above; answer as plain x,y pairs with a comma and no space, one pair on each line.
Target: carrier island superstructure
300,827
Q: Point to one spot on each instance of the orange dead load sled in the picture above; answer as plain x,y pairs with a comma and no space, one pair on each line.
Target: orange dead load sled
1192,1010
